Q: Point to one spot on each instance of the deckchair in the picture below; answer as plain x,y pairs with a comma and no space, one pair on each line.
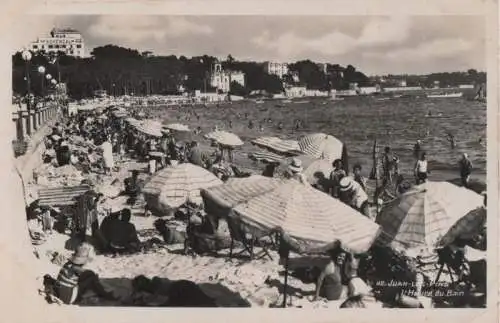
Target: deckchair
248,241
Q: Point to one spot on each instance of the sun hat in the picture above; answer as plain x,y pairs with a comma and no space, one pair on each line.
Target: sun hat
82,254
295,166
346,184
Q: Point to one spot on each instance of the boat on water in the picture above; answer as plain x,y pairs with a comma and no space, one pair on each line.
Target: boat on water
286,101
446,95
259,101
301,102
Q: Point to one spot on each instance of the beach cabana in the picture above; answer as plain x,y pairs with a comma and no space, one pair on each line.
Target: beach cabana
418,220
173,186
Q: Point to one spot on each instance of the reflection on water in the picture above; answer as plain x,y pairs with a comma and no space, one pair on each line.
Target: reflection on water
357,122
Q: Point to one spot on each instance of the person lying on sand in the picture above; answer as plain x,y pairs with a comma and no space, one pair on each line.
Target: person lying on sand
73,280
169,293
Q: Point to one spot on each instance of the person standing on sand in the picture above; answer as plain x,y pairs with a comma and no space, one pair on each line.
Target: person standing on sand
465,169
336,175
107,154
421,170
360,179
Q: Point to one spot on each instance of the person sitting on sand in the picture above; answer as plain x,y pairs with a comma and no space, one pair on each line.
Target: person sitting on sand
352,194
465,169
125,239
336,175
108,226
74,280
421,169
132,187
339,272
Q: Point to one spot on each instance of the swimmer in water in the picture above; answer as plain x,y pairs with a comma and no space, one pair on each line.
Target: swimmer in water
280,125
451,139
250,124
261,127
230,124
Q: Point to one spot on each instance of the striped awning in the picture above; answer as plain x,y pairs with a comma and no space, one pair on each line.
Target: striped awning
61,196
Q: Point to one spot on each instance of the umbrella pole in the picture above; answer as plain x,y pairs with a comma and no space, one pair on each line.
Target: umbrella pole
285,287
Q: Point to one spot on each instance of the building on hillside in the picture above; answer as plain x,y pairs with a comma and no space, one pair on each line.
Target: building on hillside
295,91
69,41
323,67
278,69
221,80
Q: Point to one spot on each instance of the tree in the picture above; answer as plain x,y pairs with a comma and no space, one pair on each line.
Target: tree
237,89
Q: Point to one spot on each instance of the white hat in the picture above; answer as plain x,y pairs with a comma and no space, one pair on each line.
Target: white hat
295,166
464,155
346,184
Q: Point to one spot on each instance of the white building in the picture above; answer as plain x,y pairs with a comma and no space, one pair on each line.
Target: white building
221,80
278,69
68,41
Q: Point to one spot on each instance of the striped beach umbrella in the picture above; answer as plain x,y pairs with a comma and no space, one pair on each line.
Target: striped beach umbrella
225,138
277,145
219,200
309,219
176,127
265,157
467,227
150,127
173,186
320,145
420,218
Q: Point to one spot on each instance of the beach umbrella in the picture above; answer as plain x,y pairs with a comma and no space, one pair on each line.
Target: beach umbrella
321,145
224,138
418,219
150,127
221,199
265,157
467,227
308,219
177,127
173,186
317,171
277,145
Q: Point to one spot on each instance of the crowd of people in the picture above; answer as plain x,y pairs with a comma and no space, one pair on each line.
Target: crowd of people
106,137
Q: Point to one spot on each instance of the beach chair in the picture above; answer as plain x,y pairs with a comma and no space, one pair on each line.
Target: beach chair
249,242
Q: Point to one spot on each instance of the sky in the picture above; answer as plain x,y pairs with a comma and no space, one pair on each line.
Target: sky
373,44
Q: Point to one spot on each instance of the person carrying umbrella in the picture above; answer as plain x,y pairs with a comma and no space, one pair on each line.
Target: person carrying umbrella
352,194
